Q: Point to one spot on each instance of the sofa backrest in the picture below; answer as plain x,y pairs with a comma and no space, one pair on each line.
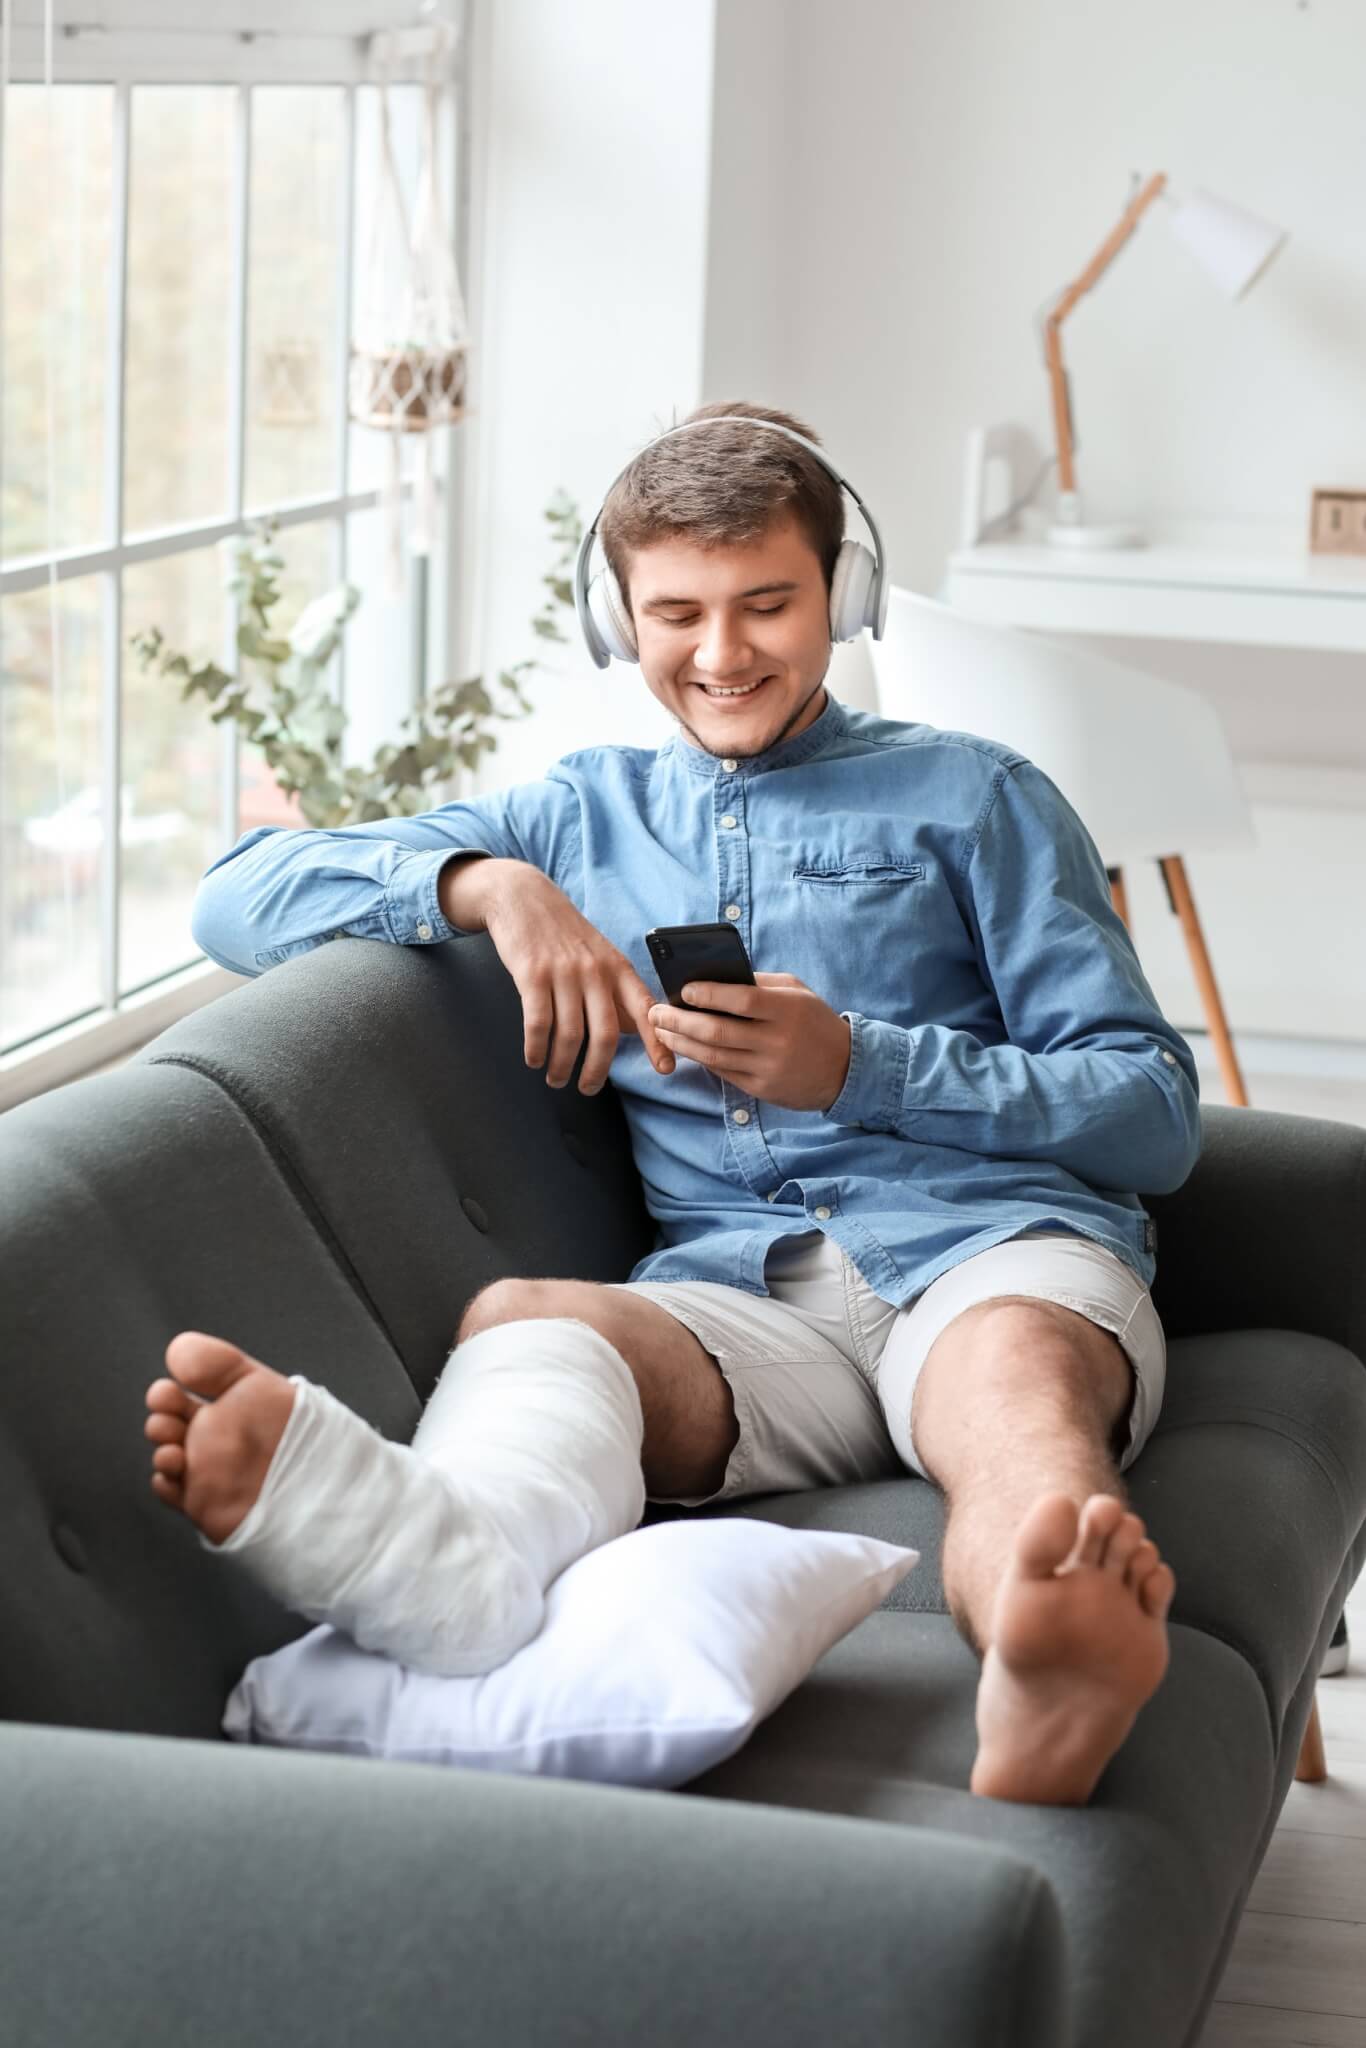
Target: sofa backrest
322,1166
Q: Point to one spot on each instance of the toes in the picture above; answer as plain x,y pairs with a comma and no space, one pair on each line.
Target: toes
207,1366
1141,1563
1100,1517
1046,1536
160,1428
1155,1594
164,1397
1124,1541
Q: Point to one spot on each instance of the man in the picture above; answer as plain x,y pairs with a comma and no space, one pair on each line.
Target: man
889,1236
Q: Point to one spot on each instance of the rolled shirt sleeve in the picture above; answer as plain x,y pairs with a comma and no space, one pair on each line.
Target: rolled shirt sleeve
1092,1076
282,890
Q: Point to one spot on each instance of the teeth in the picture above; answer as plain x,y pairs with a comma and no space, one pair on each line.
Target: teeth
748,692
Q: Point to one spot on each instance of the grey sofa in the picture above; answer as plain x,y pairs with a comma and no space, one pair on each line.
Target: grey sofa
324,1165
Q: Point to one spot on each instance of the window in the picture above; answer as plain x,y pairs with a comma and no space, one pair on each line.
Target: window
182,218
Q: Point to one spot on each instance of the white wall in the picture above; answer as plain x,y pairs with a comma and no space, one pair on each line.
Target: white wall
595,144
855,211
944,170
901,184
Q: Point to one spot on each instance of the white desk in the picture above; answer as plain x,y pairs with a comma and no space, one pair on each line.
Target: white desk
1246,586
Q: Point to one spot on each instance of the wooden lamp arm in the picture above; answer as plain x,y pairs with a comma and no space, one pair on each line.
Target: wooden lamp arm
1104,256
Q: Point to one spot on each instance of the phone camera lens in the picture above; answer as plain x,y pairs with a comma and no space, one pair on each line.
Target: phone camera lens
664,949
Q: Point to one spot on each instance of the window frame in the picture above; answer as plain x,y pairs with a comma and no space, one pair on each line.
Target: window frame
123,43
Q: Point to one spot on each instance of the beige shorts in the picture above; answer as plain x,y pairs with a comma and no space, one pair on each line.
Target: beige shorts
822,1370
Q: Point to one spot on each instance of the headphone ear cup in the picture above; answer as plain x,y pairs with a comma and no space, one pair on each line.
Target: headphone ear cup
610,616
855,570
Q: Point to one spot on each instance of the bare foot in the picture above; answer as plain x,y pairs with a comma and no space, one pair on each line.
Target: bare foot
1078,1643
213,1454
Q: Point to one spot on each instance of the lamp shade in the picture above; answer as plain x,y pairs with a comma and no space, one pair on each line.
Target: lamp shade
1233,245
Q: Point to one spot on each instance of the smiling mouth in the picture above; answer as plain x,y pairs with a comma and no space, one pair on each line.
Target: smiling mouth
742,698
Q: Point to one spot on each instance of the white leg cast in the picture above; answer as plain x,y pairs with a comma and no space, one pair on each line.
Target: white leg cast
541,1419
438,1553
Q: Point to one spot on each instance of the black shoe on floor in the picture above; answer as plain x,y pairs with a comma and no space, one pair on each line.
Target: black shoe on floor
1335,1656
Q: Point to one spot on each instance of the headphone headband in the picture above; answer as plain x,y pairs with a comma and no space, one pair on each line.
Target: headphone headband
876,608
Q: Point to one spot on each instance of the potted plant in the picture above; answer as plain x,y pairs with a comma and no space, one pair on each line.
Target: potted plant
279,703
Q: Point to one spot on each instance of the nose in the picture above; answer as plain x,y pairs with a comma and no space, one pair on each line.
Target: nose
722,650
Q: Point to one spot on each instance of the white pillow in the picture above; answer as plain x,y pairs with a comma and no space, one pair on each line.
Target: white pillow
659,1655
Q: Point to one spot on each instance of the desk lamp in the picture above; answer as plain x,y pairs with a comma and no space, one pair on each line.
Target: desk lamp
1234,246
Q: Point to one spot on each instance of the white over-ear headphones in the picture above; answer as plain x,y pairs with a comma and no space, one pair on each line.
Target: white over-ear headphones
858,589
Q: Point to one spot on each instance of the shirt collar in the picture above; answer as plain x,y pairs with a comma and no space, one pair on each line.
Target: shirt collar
819,735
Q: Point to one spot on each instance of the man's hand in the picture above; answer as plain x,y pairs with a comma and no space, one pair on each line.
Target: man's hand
778,1041
570,978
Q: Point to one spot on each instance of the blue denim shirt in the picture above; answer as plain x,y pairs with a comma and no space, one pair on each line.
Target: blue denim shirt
1009,1067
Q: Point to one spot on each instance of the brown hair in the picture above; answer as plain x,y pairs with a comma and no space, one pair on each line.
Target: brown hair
720,488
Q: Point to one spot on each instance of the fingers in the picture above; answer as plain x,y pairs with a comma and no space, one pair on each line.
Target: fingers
638,1003
564,1046
711,1039
538,1016
727,1060
603,1036
553,1031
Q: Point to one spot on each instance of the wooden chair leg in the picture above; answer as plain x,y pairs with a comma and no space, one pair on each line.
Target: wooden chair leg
1312,1767
1183,904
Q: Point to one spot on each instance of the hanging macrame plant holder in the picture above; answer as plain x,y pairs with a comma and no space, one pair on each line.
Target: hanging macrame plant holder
411,340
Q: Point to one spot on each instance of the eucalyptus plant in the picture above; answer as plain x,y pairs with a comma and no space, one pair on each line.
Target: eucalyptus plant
299,727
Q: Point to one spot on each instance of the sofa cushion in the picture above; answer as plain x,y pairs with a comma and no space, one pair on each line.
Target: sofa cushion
1150,1875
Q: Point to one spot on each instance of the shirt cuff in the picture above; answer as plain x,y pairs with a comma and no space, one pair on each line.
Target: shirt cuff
875,1086
411,902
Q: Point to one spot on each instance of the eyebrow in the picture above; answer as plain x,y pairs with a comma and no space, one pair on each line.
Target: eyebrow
759,590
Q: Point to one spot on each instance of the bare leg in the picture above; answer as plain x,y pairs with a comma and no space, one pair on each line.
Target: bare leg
1053,1583
1036,1448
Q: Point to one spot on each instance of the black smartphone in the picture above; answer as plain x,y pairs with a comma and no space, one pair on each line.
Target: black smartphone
697,952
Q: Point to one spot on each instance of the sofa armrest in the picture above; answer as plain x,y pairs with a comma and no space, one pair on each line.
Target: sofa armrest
155,1889
1269,1231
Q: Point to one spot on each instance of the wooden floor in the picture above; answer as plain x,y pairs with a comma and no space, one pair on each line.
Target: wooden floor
1297,1974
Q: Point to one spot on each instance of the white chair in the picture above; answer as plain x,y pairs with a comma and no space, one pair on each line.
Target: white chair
1144,762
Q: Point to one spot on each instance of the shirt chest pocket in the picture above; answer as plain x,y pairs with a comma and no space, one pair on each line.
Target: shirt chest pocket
861,872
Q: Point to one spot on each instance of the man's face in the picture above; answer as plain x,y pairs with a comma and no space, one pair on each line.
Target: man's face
731,617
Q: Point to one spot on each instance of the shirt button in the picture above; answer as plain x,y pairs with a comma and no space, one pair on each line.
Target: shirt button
730,766
1170,1058
741,1116
728,821
773,1197
822,1212
424,931
732,911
